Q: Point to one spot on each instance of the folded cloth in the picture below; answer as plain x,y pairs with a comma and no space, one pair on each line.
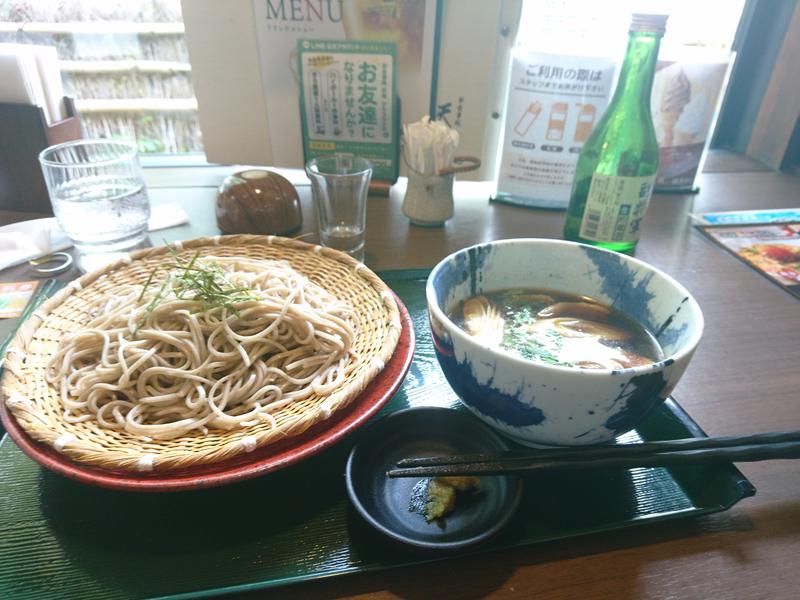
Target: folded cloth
20,242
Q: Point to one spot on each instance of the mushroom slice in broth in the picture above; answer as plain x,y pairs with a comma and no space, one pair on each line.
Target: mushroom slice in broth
482,320
557,328
583,328
581,310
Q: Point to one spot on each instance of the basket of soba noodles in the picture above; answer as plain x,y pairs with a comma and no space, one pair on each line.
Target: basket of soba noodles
197,352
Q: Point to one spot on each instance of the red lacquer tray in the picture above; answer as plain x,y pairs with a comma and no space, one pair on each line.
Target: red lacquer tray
261,461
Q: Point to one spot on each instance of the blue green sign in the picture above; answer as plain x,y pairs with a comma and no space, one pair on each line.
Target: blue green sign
348,101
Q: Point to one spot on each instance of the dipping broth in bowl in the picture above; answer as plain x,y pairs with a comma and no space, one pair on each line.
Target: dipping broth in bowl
554,343
557,328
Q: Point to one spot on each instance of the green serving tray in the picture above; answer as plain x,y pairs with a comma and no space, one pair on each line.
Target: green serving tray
63,539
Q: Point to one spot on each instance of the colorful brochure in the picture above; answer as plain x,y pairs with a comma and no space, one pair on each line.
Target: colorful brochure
14,297
772,250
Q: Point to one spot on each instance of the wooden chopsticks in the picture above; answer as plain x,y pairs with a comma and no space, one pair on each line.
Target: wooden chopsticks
746,448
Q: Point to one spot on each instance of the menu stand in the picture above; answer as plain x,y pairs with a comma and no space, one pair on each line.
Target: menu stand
24,133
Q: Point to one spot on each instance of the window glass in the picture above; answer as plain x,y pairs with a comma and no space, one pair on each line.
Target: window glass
559,23
123,61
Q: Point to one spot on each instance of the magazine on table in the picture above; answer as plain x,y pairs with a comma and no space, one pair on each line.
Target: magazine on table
772,249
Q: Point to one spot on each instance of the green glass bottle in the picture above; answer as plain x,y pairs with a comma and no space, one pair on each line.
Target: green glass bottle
618,163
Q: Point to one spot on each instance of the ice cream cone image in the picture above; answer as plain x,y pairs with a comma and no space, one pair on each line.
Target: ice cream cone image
668,120
692,126
676,95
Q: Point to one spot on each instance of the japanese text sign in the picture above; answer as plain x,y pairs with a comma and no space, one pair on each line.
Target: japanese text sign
553,104
348,101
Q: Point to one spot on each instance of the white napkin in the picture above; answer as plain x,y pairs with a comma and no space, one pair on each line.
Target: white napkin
20,242
164,216
429,146
29,239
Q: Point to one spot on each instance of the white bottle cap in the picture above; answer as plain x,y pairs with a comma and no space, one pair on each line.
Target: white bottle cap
642,22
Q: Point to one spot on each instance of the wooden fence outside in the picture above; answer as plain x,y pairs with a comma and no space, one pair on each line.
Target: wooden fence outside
128,79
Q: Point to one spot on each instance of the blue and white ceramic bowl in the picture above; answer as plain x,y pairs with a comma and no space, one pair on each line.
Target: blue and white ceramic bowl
540,404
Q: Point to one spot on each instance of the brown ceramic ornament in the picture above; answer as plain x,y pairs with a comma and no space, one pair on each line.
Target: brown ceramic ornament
258,201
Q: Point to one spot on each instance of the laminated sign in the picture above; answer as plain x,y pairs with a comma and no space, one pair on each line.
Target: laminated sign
279,24
686,98
554,102
348,101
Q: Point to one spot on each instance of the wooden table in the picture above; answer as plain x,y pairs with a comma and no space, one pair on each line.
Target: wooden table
743,378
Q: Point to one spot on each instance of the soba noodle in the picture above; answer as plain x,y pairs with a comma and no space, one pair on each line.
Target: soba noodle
158,365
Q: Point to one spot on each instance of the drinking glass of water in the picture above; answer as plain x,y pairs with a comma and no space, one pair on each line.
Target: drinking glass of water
98,194
339,183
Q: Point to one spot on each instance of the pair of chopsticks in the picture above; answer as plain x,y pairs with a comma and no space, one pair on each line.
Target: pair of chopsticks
742,448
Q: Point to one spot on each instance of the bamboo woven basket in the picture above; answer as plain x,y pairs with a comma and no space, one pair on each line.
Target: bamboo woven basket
36,406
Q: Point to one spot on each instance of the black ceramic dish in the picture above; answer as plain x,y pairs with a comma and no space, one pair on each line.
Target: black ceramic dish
384,502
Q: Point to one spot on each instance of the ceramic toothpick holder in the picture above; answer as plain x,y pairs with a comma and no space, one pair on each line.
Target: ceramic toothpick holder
429,198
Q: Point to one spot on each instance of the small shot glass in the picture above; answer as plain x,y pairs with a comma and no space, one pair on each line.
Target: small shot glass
339,183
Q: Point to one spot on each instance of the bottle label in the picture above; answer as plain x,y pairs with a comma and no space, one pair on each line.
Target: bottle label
615,207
